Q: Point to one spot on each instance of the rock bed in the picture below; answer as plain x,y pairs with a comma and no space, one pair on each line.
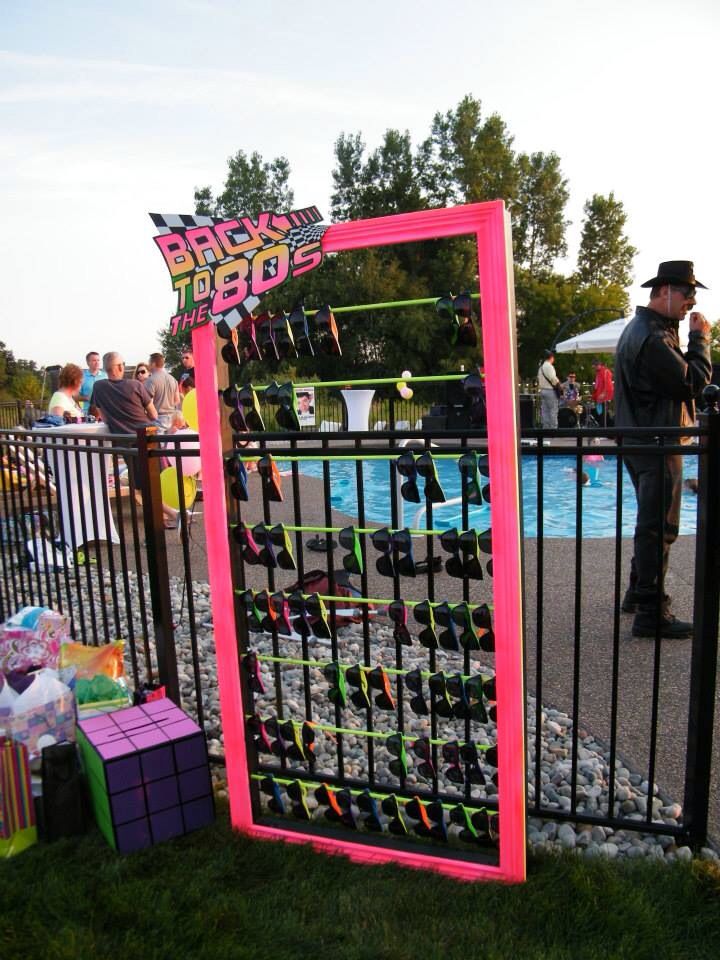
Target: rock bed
632,791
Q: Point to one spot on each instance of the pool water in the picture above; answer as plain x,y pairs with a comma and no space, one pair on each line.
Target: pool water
559,487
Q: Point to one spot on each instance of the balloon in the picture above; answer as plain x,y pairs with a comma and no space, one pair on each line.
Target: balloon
169,488
406,393
400,386
406,375
190,410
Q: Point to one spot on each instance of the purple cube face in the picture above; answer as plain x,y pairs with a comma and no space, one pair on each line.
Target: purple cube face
190,753
133,836
107,735
157,706
92,724
109,751
148,739
167,824
181,728
128,805
162,794
198,813
157,763
194,783
123,774
128,718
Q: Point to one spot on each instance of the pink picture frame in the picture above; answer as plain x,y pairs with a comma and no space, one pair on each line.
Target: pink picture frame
490,224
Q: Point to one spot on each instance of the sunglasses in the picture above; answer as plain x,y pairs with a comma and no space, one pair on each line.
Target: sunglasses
687,290
391,808
286,413
456,312
469,755
451,756
430,817
339,805
297,792
283,336
328,331
387,542
251,666
425,616
271,538
414,683
379,680
448,638
441,703
367,805
298,740
397,611
405,466
396,747
266,338
300,330
462,615
471,469
350,541
426,467
267,468
247,398
422,749
249,549
467,565
235,468
142,370
472,826
272,790
312,617
466,707
258,732
357,677
276,610
335,676
247,337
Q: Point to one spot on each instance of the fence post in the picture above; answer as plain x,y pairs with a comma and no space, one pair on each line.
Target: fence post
703,669
157,565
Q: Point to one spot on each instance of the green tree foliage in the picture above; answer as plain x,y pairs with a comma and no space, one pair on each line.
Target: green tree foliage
537,212
19,379
606,254
252,185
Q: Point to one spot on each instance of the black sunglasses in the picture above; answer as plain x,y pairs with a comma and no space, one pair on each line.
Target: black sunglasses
441,703
300,330
379,680
430,817
335,676
357,677
251,665
414,683
272,789
349,540
259,734
397,611
338,803
297,792
266,338
396,746
405,465
367,804
422,749
312,615
391,808
388,541
448,638
267,468
283,336
328,331
235,468
271,538
427,469
248,547
425,616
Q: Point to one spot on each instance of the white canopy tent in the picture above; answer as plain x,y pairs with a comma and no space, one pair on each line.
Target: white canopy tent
603,339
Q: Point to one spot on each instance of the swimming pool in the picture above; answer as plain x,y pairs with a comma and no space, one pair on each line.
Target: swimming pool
598,499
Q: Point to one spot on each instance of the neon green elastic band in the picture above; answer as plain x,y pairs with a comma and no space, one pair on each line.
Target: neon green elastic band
320,664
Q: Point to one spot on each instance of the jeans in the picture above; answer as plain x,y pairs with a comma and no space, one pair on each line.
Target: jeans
658,483
549,404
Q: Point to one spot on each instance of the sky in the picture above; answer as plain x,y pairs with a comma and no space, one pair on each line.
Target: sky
110,110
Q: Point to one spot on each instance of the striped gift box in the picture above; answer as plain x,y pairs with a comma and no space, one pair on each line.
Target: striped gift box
17,809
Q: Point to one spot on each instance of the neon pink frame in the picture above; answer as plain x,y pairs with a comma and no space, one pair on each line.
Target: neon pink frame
490,223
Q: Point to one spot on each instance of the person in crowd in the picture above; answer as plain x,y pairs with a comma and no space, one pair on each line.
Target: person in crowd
188,366
185,386
570,390
91,375
142,372
603,390
124,405
549,386
69,384
656,385
163,388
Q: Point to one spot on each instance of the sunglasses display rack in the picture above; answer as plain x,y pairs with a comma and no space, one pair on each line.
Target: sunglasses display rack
385,730
357,700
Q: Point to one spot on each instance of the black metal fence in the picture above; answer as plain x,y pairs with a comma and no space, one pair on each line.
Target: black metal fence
609,716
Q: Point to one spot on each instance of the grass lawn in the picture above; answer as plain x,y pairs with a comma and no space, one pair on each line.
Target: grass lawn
214,894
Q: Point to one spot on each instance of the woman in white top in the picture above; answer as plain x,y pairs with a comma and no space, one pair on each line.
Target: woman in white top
62,401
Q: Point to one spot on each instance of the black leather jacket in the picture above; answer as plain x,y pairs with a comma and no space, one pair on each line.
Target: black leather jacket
653,378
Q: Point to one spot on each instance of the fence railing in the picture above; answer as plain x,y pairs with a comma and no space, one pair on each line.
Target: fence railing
607,714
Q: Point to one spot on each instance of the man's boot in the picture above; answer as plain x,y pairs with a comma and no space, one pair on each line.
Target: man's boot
645,623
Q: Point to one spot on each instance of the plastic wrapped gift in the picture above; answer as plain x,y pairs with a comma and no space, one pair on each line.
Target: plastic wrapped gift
32,638
45,709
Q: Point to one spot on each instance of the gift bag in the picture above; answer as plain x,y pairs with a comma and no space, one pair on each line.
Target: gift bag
32,638
62,810
45,709
17,809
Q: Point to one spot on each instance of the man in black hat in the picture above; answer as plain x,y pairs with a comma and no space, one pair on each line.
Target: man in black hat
655,386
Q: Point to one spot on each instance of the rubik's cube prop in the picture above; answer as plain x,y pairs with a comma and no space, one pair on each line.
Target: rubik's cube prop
147,770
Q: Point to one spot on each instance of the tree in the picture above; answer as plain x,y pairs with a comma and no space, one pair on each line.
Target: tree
252,185
605,255
537,212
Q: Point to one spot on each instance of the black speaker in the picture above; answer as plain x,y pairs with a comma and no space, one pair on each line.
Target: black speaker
434,423
62,808
527,411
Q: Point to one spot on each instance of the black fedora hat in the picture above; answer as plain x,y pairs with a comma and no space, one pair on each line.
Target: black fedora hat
675,272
